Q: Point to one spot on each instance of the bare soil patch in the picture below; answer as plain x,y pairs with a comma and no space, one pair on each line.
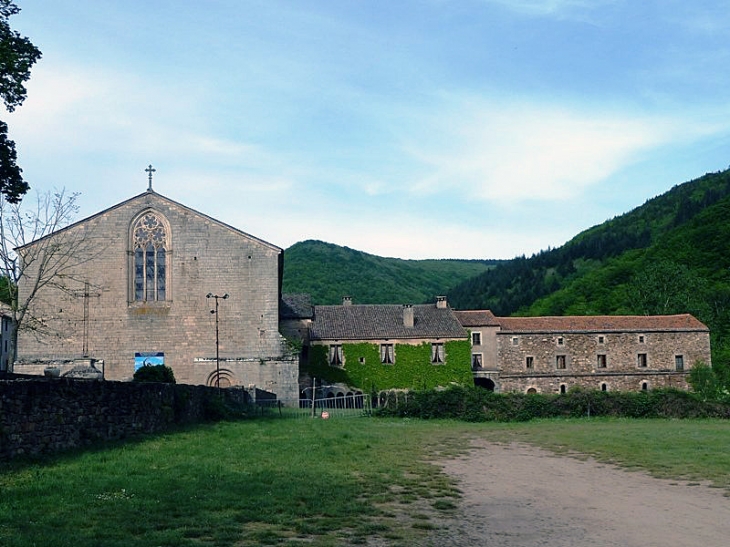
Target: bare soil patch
520,495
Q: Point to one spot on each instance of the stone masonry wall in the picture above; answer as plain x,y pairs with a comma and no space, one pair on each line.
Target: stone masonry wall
42,416
204,256
581,351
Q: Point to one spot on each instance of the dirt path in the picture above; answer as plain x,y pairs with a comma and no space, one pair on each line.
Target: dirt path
520,496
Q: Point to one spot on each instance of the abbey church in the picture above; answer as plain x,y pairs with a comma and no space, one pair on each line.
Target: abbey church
139,289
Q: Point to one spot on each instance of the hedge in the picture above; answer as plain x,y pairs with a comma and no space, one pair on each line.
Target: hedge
475,404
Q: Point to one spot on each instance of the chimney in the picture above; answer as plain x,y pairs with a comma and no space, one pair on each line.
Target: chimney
347,300
441,302
408,316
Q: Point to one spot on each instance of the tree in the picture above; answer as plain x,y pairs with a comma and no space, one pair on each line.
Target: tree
38,249
17,56
666,287
155,373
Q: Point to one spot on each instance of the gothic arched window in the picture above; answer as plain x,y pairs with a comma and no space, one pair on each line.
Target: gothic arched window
150,240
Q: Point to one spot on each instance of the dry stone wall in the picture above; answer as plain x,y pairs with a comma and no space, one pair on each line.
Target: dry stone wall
42,416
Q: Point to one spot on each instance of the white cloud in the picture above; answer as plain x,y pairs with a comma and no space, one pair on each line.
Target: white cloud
555,8
510,152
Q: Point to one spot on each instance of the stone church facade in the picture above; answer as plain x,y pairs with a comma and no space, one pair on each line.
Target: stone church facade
137,293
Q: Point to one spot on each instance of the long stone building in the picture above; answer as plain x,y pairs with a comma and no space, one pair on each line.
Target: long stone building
523,354
553,354
139,287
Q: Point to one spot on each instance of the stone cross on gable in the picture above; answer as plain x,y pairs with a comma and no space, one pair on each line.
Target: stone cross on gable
149,171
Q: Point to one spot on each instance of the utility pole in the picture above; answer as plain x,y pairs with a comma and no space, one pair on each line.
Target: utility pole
217,352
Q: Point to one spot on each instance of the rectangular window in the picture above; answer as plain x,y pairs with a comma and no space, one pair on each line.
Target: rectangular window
560,362
679,362
387,356
437,353
601,339
641,360
641,339
529,361
476,361
601,363
336,355
515,340
561,341
476,338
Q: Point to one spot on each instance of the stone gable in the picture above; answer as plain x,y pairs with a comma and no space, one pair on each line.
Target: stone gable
203,256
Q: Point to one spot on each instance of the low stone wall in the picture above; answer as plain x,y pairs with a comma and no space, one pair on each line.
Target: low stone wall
42,416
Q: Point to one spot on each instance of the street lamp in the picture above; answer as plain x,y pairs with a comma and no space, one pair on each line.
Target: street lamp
217,355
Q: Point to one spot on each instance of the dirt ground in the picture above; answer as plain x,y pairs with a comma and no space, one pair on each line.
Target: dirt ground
520,496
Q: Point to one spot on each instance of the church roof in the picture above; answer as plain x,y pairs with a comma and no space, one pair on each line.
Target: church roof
155,195
296,306
601,323
379,322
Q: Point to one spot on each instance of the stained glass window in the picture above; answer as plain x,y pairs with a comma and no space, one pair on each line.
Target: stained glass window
150,256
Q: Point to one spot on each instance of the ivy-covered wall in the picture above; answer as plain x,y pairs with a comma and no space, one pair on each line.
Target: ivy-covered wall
412,368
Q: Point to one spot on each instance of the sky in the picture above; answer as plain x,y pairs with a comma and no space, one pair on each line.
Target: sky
412,129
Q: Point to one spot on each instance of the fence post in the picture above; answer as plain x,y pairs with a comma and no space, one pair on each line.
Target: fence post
314,394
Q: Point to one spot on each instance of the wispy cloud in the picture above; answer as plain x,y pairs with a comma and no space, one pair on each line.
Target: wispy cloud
554,8
513,151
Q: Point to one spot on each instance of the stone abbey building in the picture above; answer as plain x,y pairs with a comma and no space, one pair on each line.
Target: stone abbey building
610,353
523,354
140,284
135,291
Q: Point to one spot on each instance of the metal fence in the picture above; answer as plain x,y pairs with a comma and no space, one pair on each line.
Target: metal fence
349,406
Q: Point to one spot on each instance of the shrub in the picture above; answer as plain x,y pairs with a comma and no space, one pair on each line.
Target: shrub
704,382
474,404
154,373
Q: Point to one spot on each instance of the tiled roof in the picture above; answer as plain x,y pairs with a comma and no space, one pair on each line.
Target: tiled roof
602,323
476,318
378,322
296,306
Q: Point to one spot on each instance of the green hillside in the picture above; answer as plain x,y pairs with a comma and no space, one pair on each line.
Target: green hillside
516,284
328,272
671,255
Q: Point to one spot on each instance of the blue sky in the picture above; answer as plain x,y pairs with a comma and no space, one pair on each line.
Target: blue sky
413,129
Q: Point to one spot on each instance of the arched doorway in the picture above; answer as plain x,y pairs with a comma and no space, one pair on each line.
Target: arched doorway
485,383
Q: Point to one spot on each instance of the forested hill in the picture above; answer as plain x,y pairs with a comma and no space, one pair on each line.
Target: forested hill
618,253
328,272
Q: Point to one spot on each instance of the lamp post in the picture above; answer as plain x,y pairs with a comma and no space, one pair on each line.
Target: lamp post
217,355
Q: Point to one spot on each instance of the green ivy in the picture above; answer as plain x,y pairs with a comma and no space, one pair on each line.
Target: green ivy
412,368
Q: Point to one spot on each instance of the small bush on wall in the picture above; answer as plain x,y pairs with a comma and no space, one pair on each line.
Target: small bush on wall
412,368
154,373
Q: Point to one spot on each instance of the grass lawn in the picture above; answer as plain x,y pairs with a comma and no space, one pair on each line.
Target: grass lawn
305,482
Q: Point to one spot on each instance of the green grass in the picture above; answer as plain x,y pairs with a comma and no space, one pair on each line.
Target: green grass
697,450
273,481
313,482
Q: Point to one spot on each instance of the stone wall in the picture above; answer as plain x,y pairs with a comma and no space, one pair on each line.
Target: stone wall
42,416
617,381
619,368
